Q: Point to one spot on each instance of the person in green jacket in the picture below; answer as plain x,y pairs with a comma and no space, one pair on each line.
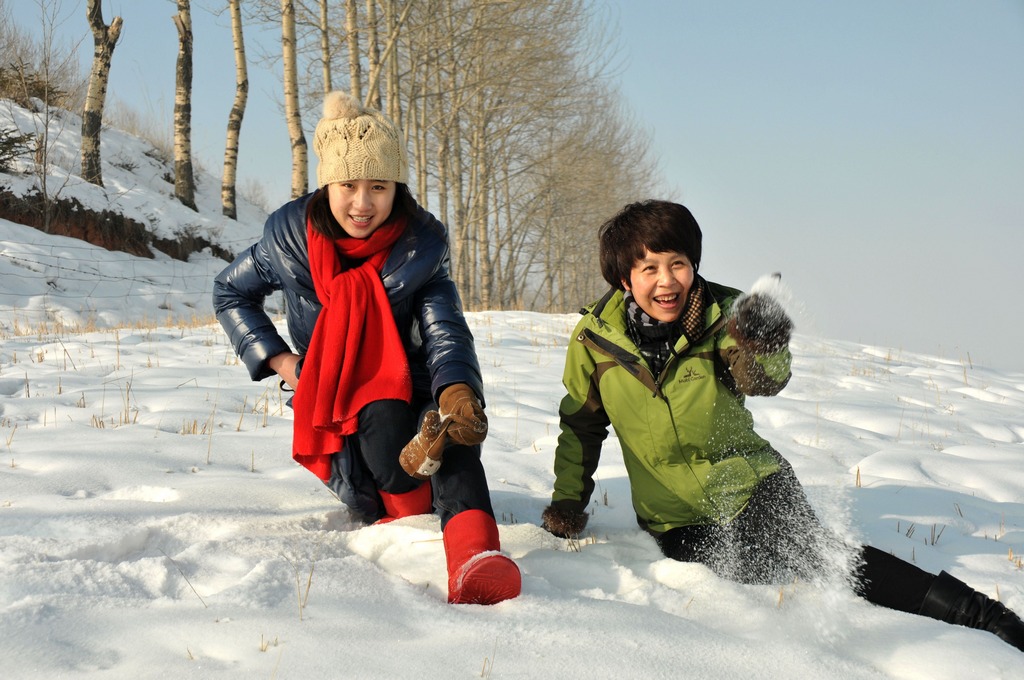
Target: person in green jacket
666,359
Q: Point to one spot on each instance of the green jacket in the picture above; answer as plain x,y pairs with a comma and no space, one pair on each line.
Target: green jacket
687,439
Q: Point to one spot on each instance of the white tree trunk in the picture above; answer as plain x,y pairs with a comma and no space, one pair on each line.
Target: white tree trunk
292,113
229,180
355,78
325,47
184,181
104,40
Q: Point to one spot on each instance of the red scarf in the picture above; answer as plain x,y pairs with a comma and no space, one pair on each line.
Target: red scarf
355,355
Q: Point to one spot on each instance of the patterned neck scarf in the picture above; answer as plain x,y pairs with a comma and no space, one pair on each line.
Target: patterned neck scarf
656,339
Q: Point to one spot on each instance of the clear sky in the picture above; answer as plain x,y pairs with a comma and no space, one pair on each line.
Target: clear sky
871,151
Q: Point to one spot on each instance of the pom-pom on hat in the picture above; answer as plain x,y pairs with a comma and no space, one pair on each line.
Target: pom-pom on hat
356,142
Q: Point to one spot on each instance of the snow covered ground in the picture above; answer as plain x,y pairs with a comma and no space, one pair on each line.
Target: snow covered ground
152,523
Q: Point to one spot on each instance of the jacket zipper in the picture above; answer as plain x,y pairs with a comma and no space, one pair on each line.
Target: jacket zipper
631,363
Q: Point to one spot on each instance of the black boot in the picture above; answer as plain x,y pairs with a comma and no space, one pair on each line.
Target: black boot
953,601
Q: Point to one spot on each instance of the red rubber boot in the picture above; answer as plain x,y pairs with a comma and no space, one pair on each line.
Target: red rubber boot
419,501
477,572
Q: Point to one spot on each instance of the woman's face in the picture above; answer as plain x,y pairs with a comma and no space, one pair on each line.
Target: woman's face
660,283
361,205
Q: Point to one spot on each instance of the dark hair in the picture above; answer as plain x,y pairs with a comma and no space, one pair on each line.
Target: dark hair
657,226
319,210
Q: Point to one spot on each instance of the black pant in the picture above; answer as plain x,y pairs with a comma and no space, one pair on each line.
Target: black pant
778,538
384,428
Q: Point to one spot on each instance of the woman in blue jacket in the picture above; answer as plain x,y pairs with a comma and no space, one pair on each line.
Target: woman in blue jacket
388,396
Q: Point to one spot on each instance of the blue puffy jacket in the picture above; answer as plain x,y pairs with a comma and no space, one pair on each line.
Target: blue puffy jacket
424,300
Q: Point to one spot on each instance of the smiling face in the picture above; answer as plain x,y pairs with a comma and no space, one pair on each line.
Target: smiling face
660,283
361,205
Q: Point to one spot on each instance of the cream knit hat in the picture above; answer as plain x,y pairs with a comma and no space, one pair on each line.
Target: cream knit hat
355,142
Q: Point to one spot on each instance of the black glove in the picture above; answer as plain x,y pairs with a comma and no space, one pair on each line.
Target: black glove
563,521
760,324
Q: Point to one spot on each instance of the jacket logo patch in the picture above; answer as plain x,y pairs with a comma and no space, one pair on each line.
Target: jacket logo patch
689,375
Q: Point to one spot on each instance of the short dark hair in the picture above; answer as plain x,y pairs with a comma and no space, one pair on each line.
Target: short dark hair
319,210
657,226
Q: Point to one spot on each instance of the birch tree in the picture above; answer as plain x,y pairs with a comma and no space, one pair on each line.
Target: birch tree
325,48
104,40
517,143
293,113
228,182
391,59
502,94
355,79
372,55
184,180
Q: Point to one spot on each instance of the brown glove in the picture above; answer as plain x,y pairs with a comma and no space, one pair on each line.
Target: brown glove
460,407
421,457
